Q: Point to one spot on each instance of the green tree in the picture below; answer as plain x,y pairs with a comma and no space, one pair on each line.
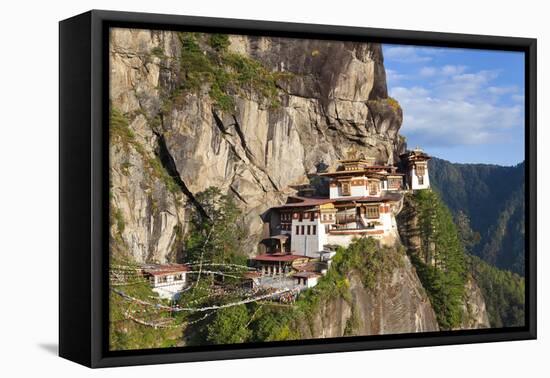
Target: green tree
503,291
219,42
468,237
493,198
216,234
274,325
230,326
441,263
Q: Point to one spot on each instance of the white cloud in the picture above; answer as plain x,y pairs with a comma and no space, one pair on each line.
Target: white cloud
428,71
518,98
394,77
465,86
499,91
447,70
407,54
449,121
452,69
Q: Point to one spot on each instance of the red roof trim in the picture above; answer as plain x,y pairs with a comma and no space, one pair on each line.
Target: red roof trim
306,275
162,270
277,257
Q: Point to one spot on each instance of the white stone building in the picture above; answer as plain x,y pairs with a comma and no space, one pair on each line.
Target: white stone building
167,280
416,162
363,200
305,280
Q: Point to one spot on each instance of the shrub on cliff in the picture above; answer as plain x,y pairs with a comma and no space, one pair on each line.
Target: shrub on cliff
230,326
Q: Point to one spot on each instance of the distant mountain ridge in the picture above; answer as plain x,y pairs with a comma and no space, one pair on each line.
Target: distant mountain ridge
493,198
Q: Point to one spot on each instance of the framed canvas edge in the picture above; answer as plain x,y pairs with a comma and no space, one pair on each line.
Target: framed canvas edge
100,357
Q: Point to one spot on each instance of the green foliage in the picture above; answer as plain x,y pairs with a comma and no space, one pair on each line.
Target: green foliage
122,134
352,324
489,206
468,237
362,257
160,172
119,128
158,52
503,291
119,219
225,73
218,237
230,326
274,324
440,263
124,333
219,42
493,198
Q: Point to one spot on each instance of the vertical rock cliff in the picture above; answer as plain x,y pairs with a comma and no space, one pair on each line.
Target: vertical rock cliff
396,304
330,96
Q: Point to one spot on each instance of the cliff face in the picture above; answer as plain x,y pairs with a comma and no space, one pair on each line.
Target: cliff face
397,304
334,96
475,310
472,302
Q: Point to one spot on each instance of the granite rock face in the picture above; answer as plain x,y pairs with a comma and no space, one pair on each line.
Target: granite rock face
335,98
397,304
474,307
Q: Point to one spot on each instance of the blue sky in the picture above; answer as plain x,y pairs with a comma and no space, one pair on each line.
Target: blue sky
461,105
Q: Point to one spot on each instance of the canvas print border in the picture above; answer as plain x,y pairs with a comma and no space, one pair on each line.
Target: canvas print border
100,21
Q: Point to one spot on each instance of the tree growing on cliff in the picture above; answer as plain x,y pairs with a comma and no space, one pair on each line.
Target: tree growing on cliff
441,263
216,234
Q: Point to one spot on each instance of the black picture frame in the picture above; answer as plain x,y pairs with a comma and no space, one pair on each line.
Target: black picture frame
84,185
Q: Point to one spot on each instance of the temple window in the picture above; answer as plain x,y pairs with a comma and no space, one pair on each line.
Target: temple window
394,183
346,190
373,188
373,211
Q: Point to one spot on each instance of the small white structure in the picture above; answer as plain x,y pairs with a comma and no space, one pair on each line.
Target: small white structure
416,161
306,280
167,279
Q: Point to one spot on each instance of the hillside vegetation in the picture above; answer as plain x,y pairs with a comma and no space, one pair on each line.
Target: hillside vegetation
440,259
493,199
439,247
504,293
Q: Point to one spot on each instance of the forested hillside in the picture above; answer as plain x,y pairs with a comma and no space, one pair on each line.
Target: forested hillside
504,293
491,199
427,229
439,250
